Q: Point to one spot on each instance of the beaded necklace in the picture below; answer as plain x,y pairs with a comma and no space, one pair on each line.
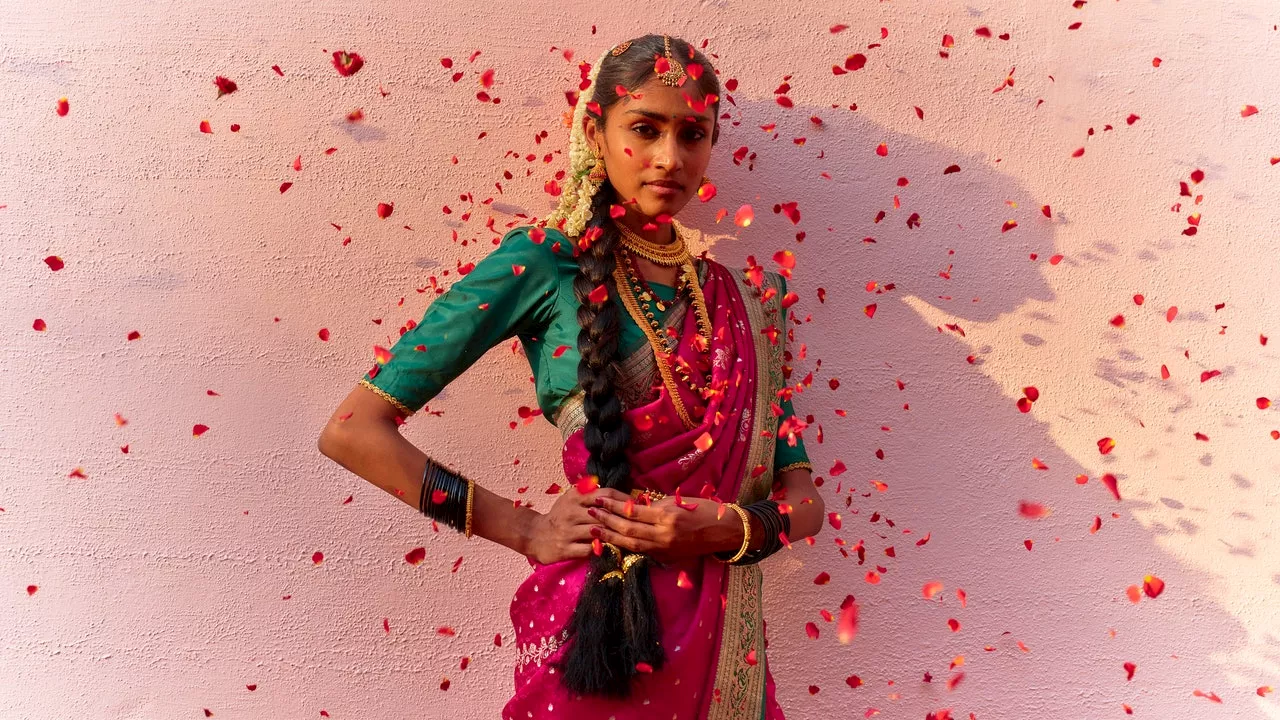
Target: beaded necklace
687,285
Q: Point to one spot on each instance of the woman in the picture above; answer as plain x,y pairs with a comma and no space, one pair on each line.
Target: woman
665,376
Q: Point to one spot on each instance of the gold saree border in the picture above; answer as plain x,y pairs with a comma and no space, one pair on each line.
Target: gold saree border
388,397
795,466
742,684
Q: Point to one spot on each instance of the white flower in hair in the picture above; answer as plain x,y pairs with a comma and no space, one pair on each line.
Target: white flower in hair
577,195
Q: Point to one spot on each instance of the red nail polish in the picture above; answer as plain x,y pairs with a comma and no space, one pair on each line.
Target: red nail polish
595,532
591,512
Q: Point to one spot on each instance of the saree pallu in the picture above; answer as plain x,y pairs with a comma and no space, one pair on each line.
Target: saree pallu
713,631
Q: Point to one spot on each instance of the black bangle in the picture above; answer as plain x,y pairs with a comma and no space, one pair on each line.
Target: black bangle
774,523
452,510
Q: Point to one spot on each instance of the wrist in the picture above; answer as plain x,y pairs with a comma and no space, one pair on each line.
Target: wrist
528,527
730,532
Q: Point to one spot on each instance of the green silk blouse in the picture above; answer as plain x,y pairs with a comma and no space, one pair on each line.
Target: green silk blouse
493,303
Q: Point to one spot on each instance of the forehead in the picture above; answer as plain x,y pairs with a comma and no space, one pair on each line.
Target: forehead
660,101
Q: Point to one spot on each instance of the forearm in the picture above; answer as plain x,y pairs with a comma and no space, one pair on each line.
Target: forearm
797,496
381,455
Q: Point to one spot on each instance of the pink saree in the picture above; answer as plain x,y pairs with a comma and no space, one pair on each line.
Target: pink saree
713,632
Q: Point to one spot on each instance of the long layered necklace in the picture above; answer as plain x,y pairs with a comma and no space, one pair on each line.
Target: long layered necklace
674,254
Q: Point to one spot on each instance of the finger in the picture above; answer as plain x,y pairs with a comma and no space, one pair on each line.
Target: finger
577,550
623,541
630,528
582,533
630,508
606,493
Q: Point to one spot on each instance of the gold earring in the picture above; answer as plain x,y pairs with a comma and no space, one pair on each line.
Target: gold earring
706,180
598,174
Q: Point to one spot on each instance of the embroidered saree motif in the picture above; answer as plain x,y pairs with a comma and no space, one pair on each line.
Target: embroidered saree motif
537,652
740,685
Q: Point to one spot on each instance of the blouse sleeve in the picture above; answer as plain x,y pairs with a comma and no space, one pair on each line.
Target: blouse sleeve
788,457
479,310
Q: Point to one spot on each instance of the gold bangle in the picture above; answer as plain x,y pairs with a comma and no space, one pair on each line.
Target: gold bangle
746,533
471,493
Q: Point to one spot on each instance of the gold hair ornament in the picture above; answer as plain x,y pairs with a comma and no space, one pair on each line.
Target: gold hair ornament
626,563
674,76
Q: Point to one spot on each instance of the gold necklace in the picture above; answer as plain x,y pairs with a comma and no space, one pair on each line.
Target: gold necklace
670,255
688,285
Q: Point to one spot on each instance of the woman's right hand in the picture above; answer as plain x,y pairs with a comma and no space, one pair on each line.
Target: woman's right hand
564,531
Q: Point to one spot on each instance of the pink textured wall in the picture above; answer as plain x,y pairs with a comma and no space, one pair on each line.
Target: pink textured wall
169,578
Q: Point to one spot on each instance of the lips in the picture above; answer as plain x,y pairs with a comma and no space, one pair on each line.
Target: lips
666,184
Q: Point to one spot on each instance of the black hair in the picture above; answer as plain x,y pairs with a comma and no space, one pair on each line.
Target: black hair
615,625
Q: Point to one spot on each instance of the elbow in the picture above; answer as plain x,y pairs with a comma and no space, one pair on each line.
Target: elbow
821,508
330,442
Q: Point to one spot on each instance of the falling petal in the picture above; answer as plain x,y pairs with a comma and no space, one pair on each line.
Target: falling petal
1112,484
347,64
1210,696
1152,586
847,628
224,85
1033,510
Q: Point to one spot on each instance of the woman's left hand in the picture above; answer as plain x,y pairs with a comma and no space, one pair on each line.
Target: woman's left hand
664,530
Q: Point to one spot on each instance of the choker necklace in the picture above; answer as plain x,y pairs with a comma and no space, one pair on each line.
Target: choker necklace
668,255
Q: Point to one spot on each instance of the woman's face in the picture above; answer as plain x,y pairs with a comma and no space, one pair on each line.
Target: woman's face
654,139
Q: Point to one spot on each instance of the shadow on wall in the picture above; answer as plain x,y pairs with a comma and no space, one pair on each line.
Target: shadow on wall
957,462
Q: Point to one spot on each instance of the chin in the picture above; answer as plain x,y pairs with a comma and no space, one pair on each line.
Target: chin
654,208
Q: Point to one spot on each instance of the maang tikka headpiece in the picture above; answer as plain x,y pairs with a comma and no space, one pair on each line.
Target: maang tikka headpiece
675,70
675,73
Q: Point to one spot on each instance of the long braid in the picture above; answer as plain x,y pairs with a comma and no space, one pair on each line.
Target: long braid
599,659
615,626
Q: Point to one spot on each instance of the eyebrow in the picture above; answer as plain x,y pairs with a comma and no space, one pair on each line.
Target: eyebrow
663,118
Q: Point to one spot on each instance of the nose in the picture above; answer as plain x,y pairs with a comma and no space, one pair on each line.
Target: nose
667,155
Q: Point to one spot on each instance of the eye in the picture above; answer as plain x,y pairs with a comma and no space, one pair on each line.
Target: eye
696,134
643,128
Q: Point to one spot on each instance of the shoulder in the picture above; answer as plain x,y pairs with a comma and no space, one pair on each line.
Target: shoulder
546,241
544,252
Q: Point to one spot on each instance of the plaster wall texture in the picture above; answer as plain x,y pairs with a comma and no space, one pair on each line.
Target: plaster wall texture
168,579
